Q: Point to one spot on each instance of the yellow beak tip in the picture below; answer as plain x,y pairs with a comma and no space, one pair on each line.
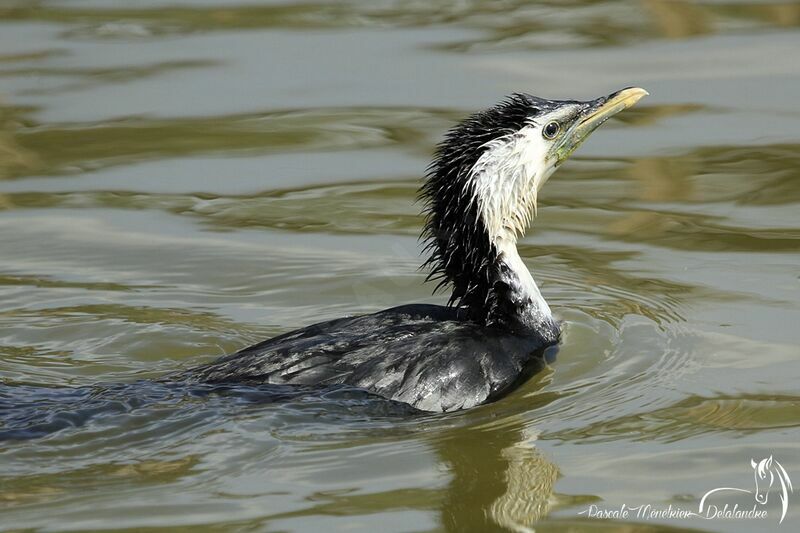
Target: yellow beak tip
632,94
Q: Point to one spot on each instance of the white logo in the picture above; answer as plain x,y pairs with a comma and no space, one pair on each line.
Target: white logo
768,474
765,472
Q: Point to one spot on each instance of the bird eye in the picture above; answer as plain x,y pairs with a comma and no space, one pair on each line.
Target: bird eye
551,130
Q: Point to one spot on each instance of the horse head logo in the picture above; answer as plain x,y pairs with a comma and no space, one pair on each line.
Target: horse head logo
762,469
766,472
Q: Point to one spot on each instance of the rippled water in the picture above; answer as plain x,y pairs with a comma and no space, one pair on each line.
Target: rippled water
181,178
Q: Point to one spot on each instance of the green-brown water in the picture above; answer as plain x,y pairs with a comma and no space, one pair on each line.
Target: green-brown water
181,178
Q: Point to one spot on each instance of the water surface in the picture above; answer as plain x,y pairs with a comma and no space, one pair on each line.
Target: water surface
179,179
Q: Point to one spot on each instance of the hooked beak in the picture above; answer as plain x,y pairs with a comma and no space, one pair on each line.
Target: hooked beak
595,114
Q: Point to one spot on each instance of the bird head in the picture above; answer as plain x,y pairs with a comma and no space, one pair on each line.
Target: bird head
482,187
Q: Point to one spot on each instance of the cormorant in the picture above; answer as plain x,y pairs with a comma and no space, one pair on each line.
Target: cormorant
479,197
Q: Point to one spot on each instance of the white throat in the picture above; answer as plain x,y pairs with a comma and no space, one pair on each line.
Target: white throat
506,181
528,290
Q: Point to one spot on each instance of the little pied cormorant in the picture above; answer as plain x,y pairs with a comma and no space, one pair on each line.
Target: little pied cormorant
480,194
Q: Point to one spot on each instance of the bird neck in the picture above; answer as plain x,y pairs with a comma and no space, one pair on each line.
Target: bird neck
514,300
489,280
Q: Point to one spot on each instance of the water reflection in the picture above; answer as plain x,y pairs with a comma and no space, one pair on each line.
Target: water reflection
678,19
513,24
69,148
85,77
499,478
694,416
181,179
14,159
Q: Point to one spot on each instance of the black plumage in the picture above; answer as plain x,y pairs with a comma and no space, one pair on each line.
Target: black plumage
435,358
431,357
